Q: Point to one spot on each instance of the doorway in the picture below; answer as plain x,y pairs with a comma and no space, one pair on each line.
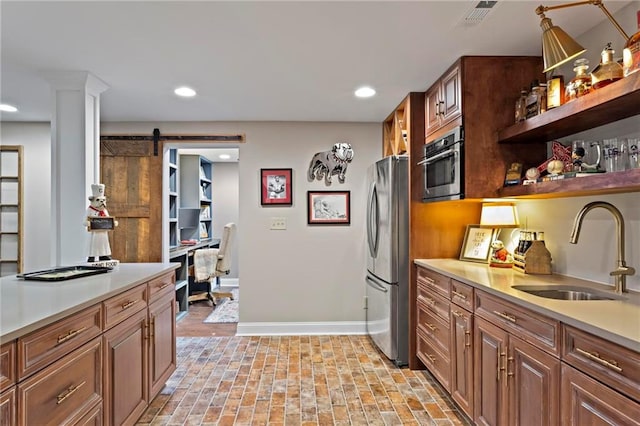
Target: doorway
201,318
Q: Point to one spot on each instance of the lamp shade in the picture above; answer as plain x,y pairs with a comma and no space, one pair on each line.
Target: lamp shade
499,215
557,46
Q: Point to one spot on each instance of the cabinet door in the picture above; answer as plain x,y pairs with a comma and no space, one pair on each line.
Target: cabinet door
534,385
125,378
432,109
586,401
462,358
490,357
8,407
451,97
162,339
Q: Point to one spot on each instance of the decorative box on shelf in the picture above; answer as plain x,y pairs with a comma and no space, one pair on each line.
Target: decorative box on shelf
536,260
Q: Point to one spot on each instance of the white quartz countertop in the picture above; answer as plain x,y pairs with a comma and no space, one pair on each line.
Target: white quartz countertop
615,320
26,306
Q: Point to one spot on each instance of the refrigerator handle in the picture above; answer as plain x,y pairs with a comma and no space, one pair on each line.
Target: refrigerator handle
373,215
377,286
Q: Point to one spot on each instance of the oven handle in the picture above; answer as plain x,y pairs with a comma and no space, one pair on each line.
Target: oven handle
438,156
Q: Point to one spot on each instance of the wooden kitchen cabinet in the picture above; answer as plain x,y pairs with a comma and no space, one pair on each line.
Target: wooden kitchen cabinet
461,349
162,341
140,352
7,365
432,331
443,100
65,391
515,382
8,406
585,401
126,354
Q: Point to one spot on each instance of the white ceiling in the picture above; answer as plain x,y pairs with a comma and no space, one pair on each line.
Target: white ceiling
261,60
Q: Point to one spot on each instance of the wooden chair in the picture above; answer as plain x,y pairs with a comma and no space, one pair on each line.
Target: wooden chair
210,264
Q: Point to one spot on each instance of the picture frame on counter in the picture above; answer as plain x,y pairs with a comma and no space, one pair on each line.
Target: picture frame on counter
476,246
276,187
328,207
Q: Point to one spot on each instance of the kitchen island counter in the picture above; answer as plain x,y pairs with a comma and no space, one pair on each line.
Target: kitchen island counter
26,305
615,320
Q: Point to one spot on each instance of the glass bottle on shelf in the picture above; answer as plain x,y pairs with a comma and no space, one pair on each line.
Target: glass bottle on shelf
542,98
521,106
607,71
580,85
531,109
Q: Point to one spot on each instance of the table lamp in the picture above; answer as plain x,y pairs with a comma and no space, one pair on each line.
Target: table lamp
499,215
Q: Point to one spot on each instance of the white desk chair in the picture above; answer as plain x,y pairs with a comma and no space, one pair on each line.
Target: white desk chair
210,264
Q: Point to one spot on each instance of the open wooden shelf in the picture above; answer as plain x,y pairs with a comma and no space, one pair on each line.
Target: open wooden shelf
611,103
601,183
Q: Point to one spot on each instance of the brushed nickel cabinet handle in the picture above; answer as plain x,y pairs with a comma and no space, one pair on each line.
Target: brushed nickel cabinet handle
163,286
70,335
127,305
457,314
68,392
505,316
460,295
430,326
152,324
467,338
596,357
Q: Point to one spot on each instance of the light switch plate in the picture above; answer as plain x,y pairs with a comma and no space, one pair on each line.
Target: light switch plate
278,223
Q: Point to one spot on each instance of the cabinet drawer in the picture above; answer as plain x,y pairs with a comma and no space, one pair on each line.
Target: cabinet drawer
533,328
434,327
7,365
40,348
65,391
613,365
434,281
161,286
462,295
437,363
124,305
435,303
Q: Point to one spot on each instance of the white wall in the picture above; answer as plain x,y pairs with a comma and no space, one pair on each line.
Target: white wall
226,200
305,274
36,141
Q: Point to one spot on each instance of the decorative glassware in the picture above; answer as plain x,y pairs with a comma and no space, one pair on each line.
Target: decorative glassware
607,71
580,85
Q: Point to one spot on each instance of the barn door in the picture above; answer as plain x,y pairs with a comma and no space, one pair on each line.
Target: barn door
132,175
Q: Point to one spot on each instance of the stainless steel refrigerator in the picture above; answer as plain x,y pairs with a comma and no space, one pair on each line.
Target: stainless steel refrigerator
387,289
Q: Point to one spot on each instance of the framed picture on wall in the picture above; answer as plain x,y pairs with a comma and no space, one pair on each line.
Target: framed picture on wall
328,207
276,187
476,246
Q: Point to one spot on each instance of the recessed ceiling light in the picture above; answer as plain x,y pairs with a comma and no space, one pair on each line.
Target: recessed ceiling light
224,156
8,108
187,92
365,92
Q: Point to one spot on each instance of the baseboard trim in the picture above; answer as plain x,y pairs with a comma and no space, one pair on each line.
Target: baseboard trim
300,328
229,282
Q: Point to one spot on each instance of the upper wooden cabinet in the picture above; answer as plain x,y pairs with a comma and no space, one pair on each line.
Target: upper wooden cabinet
479,93
443,100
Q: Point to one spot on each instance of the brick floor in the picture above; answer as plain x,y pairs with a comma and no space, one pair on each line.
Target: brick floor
295,380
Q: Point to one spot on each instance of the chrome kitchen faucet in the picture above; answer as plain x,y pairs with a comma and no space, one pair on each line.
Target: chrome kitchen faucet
622,270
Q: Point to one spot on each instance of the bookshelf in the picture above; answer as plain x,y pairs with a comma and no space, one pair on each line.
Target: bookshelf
10,210
195,193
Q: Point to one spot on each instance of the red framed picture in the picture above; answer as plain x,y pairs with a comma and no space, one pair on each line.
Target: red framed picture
328,207
276,187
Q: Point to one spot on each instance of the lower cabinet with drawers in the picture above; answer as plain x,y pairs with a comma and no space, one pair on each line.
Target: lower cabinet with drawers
102,365
504,364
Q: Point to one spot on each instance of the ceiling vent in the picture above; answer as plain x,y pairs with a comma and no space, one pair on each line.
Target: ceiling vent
479,12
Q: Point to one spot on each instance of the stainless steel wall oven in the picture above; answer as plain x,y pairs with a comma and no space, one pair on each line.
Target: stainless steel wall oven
443,167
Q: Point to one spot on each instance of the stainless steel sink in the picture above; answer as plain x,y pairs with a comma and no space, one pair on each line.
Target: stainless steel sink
566,292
